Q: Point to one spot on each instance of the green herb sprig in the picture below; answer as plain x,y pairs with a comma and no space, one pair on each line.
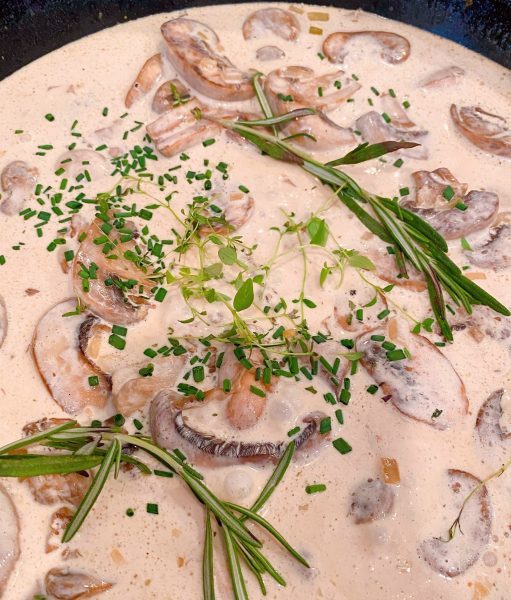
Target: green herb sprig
79,448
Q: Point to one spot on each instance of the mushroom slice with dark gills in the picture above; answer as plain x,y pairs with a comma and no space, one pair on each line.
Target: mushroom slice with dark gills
495,251
489,132
18,180
488,427
3,321
374,130
9,537
372,500
456,215
394,48
66,584
436,397
193,50
147,76
61,364
295,87
55,489
169,95
132,392
454,557
109,287
281,23
170,430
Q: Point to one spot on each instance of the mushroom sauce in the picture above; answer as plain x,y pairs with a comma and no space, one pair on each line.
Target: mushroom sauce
157,267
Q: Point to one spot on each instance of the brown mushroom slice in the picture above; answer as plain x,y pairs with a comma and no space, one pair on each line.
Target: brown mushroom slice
437,397
42,425
169,429
59,521
237,210
9,537
18,180
372,500
394,48
131,391
442,77
169,95
387,270
277,21
495,251
54,489
108,301
266,53
374,129
489,132
454,557
77,162
452,223
430,186
488,426
66,584
190,46
61,364
3,321
147,76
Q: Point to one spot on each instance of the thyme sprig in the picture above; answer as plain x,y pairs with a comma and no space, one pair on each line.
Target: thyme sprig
415,242
76,448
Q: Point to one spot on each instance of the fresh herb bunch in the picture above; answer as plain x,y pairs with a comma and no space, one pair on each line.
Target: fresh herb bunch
415,242
77,448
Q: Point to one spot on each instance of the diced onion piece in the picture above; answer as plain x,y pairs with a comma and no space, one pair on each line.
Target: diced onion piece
390,470
318,16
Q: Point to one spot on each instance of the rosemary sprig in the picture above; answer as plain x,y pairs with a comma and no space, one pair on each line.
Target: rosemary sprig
78,448
413,238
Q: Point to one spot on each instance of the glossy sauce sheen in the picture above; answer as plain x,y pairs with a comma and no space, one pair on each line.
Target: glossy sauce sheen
159,556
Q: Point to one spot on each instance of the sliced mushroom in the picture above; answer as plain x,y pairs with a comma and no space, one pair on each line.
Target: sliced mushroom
269,53
18,180
488,426
103,296
294,87
61,364
456,556
42,425
372,500
9,537
495,251
394,48
169,95
281,23
374,129
147,76
387,269
237,210
442,77
177,130
169,429
65,584
190,46
59,520
76,162
55,489
437,398
488,132
3,321
393,108
132,392
478,208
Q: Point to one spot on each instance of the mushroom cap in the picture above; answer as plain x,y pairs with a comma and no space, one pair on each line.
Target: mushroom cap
278,21
65,584
495,251
18,180
487,131
9,537
456,556
61,364
372,500
190,47
394,48
414,389
488,426
147,76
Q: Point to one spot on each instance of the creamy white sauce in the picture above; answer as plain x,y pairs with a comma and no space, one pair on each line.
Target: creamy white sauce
150,556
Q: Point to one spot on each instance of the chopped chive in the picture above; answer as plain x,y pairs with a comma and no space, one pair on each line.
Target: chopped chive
160,473
342,446
150,352
243,189
448,193
93,380
386,117
330,398
198,373
293,431
383,314
372,389
465,245
104,112
339,416
49,117
404,191
378,338
130,512
208,142
119,330
345,396
325,425
347,343
152,508
406,104
398,163
394,355
392,93
375,91
315,488
388,345
160,294
116,341
226,385
138,425
257,391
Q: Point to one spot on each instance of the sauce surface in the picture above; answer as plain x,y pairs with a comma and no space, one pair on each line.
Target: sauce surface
83,85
